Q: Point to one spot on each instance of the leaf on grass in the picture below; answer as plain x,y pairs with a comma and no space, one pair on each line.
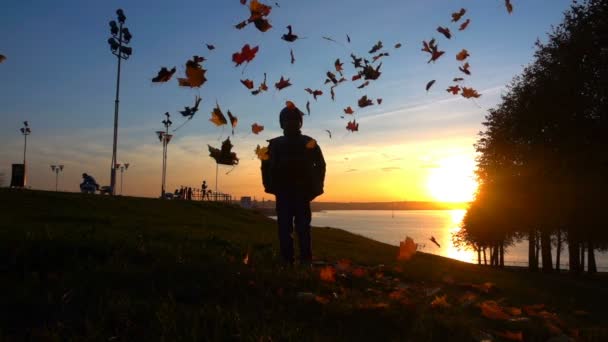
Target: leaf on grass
321,300
247,54
359,272
163,75
256,129
348,110
464,25
490,309
352,126
457,15
262,152
407,249
429,85
440,302
283,83
247,83
328,274
462,55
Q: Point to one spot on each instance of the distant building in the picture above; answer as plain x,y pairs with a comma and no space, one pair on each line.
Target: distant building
246,202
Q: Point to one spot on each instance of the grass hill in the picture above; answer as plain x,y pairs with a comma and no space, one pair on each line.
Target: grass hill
87,267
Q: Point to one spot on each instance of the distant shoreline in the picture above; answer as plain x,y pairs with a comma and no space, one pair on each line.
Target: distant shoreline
269,208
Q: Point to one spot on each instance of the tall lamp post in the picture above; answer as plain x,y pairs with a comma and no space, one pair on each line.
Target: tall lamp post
120,37
25,130
123,167
56,169
164,138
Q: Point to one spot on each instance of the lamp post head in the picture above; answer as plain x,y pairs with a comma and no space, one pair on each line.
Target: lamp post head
53,167
126,166
126,35
113,28
60,167
113,44
25,123
121,16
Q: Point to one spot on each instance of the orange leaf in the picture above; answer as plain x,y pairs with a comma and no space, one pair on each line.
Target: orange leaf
469,93
464,25
283,83
348,110
462,55
247,54
352,126
407,249
247,83
314,93
457,15
490,309
338,66
233,121
343,265
440,302
312,143
359,272
262,152
321,299
255,128
217,117
328,274
465,68
195,74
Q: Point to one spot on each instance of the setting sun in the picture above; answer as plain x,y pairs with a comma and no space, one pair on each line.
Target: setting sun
453,180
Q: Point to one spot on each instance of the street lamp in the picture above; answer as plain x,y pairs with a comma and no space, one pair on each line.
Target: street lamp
120,37
164,137
123,167
56,169
25,130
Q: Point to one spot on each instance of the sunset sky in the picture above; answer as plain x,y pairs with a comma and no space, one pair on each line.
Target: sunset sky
60,76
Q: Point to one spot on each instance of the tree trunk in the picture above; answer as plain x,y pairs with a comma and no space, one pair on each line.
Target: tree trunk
558,252
591,266
545,243
502,253
485,259
478,255
532,261
537,246
495,255
582,262
573,255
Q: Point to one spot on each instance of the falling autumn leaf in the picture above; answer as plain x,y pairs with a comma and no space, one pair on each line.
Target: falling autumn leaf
258,13
308,107
331,77
429,85
195,74
352,126
217,117
338,66
243,2
348,110
261,88
2,58
247,54
378,56
190,111
465,68
457,15
314,93
445,31
458,79
407,249
432,48
163,75
283,83
433,240
509,6
293,59
329,39
289,36
364,102
233,121
246,259
470,93
379,101
363,85
377,47
247,83
262,153
210,47
398,45
455,89
328,274
462,55
224,155
332,93
464,25
256,129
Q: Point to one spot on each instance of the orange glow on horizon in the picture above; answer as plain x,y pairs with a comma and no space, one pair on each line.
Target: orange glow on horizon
453,180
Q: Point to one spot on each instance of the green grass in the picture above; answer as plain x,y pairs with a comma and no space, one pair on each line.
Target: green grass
75,267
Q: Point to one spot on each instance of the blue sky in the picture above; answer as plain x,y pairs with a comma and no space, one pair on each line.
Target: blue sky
60,76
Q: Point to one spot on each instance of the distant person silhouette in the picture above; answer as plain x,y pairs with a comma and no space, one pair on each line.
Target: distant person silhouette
204,190
88,185
294,173
189,194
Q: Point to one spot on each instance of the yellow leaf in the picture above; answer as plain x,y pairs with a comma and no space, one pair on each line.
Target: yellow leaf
262,152
407,249
328,274
312,143
490,309
440,302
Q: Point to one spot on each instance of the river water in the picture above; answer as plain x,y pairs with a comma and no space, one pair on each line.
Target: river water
392,227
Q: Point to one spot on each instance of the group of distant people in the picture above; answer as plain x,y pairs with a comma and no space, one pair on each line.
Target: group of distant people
189,193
